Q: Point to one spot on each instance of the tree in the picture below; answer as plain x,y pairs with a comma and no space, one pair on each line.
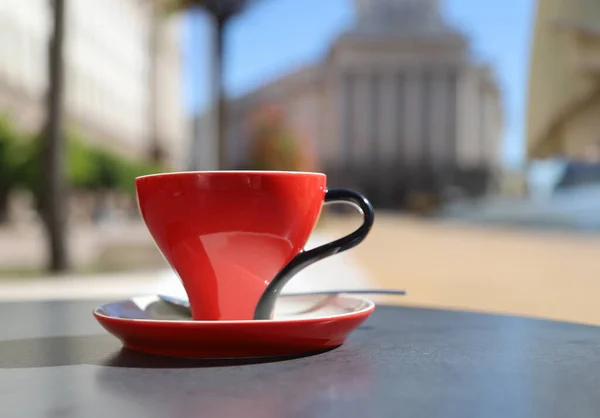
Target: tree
156,153
54,191
221,12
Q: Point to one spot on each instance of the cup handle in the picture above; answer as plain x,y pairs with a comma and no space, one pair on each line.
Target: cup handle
304,259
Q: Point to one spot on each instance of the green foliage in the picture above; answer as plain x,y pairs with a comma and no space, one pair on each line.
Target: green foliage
14,157
93,168
81,170
107,170
88,167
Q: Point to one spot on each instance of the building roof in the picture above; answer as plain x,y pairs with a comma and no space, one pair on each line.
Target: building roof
298,79
400,18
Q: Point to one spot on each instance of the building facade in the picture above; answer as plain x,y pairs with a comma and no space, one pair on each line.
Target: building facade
108,78
398,106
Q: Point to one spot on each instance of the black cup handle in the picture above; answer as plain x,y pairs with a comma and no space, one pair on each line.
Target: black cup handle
265,306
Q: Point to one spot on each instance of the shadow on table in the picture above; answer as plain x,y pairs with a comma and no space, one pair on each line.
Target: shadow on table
343,381
101,350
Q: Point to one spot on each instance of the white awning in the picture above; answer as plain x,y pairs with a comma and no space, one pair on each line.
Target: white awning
564,81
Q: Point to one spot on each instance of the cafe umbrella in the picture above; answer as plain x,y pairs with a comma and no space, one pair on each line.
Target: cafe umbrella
564,81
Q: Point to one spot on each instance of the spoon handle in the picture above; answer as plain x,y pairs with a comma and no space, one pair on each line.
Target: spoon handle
181,303
349,291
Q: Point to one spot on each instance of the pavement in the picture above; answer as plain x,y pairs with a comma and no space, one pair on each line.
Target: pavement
545,273
23,247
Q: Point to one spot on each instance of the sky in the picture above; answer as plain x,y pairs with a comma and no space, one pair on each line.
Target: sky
274,37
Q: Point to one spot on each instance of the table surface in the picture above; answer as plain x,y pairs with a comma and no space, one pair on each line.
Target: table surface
56,361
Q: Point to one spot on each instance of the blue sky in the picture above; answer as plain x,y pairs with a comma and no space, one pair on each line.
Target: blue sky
276,36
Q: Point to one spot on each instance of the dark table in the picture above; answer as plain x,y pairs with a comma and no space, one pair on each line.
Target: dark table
55,361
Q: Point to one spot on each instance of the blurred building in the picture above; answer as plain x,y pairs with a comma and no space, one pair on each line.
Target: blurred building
397,107
204,154
108,72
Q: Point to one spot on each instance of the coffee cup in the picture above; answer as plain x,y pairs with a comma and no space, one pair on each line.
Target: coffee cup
235,238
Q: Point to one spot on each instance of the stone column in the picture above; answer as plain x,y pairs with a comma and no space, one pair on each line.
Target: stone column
346,127
491,127
400,119
439,119
452,112
426,137
468,129
413,131
387,119
361,111
480,149
375,128
333,132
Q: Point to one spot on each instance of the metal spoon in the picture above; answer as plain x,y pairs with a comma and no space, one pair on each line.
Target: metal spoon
184,305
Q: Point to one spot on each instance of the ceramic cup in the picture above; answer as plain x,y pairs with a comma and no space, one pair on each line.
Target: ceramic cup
236,237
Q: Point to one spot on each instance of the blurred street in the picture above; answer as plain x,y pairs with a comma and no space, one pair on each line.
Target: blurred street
441,264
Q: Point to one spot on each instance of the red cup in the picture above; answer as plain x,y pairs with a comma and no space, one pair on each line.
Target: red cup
236,237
